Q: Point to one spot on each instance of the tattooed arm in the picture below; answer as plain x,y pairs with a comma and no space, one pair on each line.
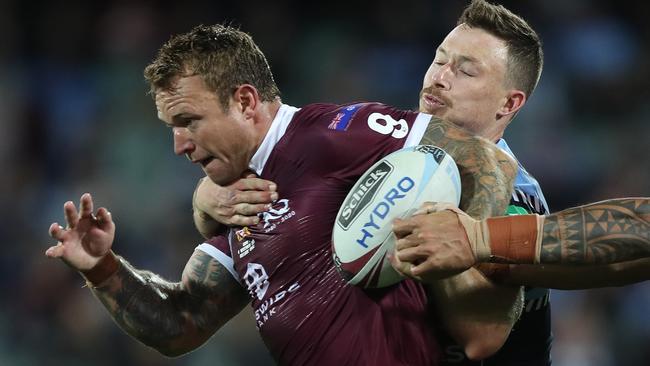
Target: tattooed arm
478,314
604,232
611,231
487,173
598,245
564,277
173,318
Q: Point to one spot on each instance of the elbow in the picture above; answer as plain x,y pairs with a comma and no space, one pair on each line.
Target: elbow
171,353
480,349
172,350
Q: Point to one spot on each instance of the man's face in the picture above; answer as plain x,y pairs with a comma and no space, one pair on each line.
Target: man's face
465,82
218,140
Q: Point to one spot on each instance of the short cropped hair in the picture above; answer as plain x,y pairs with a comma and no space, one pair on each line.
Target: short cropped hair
525,55
223,56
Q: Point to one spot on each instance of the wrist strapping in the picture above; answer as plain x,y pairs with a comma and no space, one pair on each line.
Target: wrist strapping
104,269
514,239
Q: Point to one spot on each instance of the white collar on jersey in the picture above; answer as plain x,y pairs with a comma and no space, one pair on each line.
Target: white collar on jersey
275,133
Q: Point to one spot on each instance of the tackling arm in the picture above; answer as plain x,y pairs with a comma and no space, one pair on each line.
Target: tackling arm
615,233
478,314
611,231
174,318
216,207
570,277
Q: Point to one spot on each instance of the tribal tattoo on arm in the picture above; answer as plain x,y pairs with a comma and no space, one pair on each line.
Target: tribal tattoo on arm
173,317
604,232
487,173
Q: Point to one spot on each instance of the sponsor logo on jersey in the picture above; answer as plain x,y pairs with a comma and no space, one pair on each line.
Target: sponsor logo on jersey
246,247
364,193
242,233
382,208
279,213
256,280
341,121
267,309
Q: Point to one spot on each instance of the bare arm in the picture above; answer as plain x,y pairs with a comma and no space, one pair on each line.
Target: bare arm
598,245
478,314
603,232
173,317
575,278
487,173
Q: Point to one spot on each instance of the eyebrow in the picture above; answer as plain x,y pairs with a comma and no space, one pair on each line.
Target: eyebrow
176,119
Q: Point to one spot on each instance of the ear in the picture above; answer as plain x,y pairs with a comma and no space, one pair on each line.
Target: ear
247,99
515,99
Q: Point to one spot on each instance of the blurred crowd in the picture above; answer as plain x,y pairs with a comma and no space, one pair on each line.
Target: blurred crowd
76,117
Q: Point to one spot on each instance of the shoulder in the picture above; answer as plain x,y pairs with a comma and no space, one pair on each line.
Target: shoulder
506,162
345,112
351,121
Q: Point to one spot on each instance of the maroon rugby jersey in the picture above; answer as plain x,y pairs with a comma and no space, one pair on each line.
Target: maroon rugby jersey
305,312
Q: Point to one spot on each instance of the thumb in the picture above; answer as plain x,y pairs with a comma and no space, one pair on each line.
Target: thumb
55,251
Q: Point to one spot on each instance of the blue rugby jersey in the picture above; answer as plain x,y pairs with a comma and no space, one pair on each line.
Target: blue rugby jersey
529,343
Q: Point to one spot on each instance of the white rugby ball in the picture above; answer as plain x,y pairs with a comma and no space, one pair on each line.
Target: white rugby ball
394,187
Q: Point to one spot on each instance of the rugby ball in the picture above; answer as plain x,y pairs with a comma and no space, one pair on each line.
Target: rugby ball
394,187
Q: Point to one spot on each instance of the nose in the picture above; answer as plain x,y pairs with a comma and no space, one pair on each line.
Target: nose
441,77
183,145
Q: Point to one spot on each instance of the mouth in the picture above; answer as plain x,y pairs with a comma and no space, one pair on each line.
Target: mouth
433,102
204,163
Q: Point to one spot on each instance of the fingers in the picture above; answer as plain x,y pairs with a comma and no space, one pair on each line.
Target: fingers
246,209
56,231
403,268
403,227
258,184
424,267
104,219
430,207
413,255
241,220
86,205
70,213
55,251
254,197
426,208
408,241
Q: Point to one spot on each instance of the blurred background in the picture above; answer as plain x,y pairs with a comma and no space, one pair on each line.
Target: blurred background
76,117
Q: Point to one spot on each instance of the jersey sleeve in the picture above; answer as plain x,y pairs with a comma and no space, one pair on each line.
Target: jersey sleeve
218,247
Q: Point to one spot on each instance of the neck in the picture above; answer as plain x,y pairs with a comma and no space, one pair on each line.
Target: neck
264,119
495,132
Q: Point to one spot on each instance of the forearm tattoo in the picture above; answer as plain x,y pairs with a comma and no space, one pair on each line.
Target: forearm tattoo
605,232
486,173
173,317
